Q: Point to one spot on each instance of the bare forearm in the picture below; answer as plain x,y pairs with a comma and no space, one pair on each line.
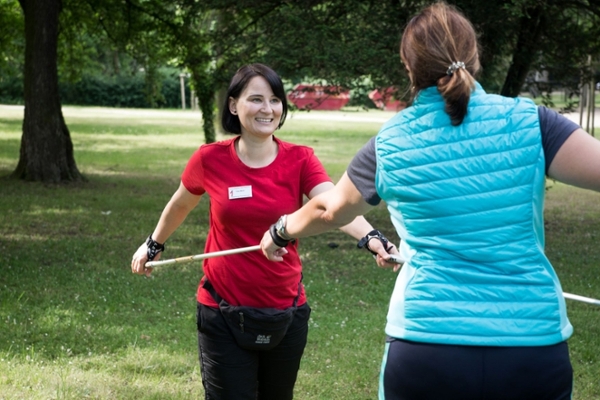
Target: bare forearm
335,208
313,218
357,228
341,207
174,213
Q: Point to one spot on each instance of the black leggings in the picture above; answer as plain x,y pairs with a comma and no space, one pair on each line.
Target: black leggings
232,373
415,371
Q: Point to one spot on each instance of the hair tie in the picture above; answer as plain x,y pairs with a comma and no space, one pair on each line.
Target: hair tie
454,66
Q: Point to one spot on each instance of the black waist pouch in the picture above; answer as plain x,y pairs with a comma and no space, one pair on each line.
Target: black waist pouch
255,328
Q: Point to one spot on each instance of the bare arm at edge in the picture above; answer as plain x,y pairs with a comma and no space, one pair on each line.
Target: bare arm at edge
358,228
329,210
577,162
174,213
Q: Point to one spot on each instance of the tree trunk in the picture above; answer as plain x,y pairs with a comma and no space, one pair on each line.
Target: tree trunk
221,93
525,52
46,153
205,90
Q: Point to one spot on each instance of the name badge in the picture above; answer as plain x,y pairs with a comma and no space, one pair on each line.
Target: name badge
240,192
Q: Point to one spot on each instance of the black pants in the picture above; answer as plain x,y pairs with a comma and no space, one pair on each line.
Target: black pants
232,373
425,371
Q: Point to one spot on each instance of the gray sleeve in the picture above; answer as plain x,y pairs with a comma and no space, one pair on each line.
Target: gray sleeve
362,170
556,129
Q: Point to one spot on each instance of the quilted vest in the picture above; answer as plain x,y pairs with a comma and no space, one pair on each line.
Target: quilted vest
467,202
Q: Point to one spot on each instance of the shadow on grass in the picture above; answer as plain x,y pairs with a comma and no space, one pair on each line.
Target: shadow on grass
66,287
65,279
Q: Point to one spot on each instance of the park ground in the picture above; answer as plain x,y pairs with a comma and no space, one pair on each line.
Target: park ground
75,323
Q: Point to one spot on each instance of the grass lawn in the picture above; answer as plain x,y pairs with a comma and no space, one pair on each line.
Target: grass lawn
75,323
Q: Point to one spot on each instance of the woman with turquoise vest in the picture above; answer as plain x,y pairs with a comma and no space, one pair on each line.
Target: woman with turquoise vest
477,311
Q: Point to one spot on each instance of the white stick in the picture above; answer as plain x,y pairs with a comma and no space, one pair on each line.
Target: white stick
395,258
152,264
577,297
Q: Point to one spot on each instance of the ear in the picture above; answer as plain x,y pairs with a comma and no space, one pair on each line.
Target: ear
232,106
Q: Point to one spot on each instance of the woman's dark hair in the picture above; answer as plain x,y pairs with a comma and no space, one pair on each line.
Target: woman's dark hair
231,122
436,39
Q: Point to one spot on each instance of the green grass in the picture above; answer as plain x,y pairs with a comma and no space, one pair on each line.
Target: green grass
75,323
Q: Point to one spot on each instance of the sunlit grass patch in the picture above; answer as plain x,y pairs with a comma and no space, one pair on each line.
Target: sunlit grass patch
131,374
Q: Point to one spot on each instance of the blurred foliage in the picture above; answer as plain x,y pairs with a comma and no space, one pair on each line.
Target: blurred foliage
122,90
342,42
12,43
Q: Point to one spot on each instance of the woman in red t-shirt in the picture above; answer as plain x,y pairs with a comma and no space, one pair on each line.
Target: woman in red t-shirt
251,180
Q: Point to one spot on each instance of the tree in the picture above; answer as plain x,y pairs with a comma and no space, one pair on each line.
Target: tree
344,42
349,43
521,36
156,32
46,152
11,45
210,39
213,38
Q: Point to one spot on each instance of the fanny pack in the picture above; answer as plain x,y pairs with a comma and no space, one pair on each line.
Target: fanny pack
255,328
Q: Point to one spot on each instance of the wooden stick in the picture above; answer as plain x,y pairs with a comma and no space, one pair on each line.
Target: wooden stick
197,257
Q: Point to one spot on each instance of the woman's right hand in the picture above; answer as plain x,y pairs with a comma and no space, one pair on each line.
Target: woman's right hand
139,260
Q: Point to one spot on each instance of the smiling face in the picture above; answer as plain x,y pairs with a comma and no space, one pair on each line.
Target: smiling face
257,107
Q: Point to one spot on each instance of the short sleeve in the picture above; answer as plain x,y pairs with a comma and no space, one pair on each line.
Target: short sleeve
314,173
362,170
193,174
556,129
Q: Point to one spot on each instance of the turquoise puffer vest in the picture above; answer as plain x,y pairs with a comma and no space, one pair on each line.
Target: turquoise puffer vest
467,202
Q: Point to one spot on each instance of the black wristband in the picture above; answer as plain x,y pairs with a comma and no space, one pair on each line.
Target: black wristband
374,234
153,248
278,240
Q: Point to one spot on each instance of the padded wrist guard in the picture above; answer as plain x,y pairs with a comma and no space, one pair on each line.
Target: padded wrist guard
153,247
374,234
278,240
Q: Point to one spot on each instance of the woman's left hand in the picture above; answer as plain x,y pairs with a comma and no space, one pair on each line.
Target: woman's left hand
383,255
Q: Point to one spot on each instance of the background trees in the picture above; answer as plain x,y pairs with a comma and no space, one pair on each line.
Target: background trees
12,44
350,43
521,36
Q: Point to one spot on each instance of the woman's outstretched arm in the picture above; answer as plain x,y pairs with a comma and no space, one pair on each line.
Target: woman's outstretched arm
577,162
329,210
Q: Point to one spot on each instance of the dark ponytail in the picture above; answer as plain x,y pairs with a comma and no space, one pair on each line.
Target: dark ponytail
439,48
456,92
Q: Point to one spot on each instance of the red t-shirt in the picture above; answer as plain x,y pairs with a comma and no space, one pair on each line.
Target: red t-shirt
244,202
